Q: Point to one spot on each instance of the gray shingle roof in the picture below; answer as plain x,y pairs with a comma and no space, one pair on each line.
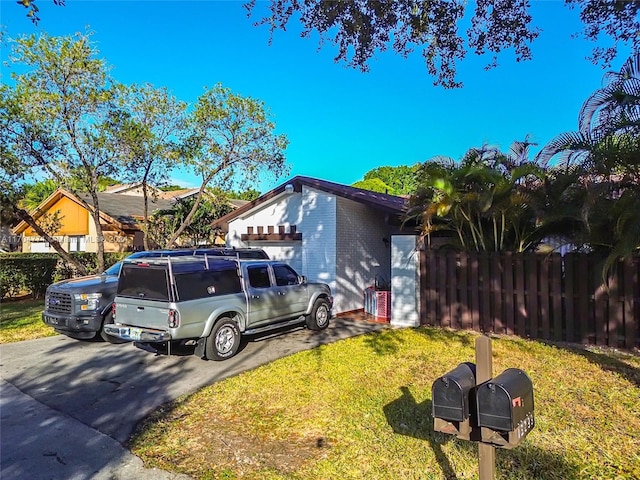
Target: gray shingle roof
126,209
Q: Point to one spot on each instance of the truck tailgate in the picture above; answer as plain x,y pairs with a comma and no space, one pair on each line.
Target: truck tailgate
142,313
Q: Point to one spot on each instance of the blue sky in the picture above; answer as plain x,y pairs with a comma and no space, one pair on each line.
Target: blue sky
340,122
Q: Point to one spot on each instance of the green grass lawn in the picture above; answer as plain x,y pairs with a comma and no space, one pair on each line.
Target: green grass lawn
361,409
22,320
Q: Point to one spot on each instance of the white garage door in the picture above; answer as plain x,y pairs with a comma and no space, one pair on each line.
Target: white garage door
39,247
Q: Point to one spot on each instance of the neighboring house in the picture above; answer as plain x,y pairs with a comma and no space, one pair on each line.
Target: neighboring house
181,194
329,232
133,189
120,217
121,208
192,192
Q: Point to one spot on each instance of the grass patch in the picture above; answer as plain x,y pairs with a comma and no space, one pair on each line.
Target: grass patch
361,408
22,320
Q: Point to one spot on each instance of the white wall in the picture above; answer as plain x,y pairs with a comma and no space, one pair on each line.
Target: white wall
405,284
362,254
318,227
281,210
313,214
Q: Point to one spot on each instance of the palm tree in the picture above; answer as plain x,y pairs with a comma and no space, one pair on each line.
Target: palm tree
484,199
609,127
36,193
606,150
616,106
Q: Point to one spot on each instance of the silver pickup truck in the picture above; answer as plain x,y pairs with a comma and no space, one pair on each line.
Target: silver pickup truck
212,302
80,307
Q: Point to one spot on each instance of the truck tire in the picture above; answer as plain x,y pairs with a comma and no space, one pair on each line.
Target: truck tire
108,319
319,317
223,341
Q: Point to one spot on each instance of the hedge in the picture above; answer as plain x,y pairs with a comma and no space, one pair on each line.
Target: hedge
32,273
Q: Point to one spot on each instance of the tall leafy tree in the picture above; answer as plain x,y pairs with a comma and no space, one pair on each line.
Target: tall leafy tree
398,180
36,193
56,117
148,126
373,185
608,127
164,223
231,141
361,28
249,194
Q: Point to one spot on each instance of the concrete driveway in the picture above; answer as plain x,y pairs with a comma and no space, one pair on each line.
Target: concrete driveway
68,407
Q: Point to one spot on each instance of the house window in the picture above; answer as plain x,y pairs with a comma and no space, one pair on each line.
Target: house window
77,243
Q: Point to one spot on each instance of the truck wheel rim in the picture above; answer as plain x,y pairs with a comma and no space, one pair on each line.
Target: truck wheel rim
225,340
322,316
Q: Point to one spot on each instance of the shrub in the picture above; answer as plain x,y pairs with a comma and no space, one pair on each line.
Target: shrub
32,273
26,272
88,260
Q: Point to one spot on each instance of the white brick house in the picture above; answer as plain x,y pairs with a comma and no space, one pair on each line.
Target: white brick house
329,232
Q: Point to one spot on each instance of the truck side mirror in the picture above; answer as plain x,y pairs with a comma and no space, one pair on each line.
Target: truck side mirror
451,396
505,408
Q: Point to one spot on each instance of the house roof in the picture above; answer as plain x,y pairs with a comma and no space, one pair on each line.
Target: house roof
117,209
386,203
121,187
179,194
173,195
127,209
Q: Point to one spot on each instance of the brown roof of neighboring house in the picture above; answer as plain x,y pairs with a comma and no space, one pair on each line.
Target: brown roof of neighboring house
381,201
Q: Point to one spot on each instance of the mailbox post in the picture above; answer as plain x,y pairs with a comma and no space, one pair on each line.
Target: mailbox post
495,412
484,372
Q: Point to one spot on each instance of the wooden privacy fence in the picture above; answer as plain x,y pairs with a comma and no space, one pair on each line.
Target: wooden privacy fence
541,296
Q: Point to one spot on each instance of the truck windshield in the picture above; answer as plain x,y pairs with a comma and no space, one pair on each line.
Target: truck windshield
148,282
113,269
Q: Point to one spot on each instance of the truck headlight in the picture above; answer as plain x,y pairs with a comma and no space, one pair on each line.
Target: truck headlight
87,301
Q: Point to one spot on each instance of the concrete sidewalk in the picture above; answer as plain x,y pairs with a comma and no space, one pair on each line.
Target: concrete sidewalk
38,442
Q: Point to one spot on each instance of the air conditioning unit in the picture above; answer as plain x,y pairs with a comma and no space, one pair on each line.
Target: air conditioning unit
377,302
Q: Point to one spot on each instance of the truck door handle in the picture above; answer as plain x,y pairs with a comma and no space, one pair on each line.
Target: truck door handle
255,296
140,308
282,293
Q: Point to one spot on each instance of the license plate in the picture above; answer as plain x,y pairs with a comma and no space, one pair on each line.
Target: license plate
55,321
133,333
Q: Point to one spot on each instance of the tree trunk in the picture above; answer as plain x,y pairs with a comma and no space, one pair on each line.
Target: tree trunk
95,214
28,219
187,221
145,225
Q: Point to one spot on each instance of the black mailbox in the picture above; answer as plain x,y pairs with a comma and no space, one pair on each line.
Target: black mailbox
505,405
450,393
